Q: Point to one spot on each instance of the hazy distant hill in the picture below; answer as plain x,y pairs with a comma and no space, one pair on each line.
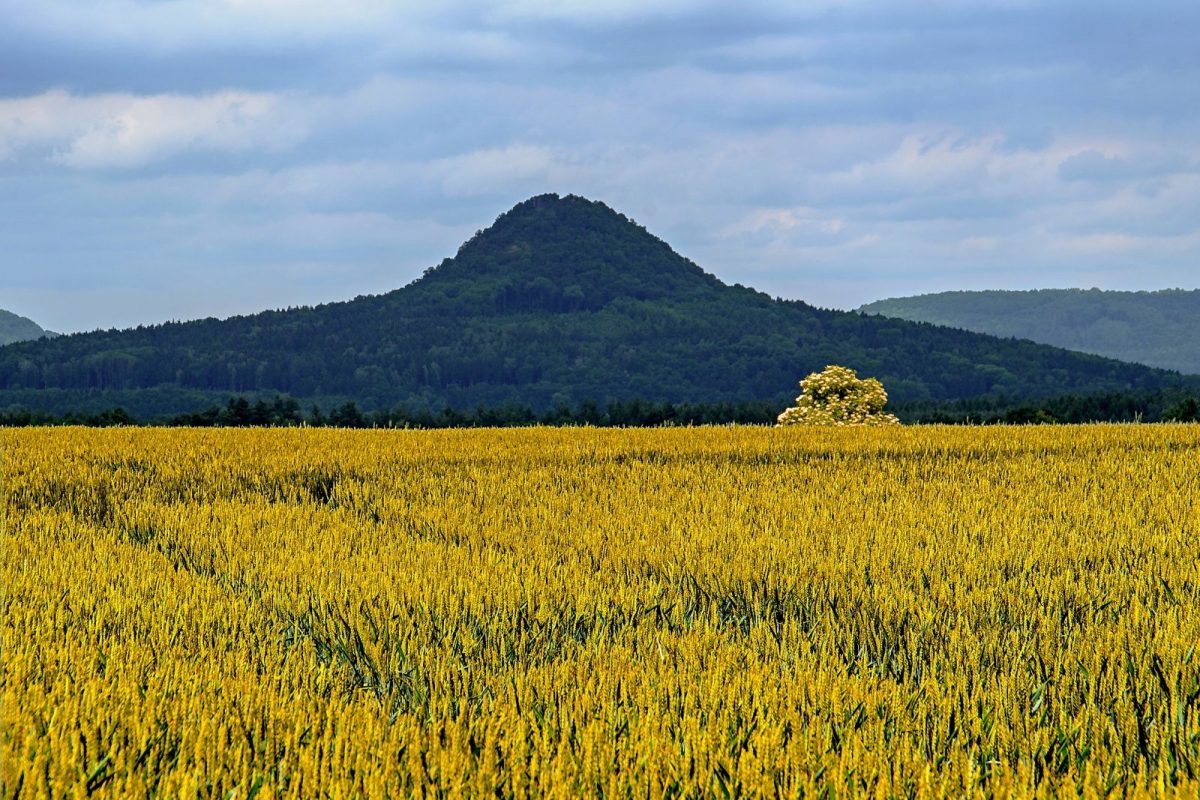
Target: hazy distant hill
1161,328
15,328
561,300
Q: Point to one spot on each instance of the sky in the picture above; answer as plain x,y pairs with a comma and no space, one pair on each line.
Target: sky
175,159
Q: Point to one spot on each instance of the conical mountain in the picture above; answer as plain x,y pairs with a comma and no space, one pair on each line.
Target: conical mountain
568,254
561,300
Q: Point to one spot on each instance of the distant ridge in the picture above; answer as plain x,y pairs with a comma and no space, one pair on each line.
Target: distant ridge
1161,328
562,300
15,328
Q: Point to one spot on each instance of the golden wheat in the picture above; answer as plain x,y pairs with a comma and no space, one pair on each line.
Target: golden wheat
642,613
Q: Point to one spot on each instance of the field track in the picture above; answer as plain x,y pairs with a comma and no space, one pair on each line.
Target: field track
708,612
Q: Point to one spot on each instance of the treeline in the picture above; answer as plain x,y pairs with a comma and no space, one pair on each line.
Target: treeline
283,411
1160,405
239,412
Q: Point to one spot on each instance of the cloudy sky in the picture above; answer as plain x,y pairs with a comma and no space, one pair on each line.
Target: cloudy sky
184,158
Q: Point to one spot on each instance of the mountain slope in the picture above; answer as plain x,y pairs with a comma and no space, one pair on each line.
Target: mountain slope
561,300
15,328
1161,329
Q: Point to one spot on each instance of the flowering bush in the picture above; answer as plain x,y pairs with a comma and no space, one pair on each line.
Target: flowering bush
838,396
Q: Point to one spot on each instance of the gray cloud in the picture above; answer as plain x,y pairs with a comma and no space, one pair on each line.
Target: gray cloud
168,160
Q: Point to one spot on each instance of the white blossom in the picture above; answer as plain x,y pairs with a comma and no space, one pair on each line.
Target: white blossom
838,397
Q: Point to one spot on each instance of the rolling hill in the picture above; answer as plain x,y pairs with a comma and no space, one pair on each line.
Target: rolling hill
15,328
561,300
1161,329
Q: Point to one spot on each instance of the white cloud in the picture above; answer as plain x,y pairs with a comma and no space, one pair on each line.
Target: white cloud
801,219
929,161
492,170
124,130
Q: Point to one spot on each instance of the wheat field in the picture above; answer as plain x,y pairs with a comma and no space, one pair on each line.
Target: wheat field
700,612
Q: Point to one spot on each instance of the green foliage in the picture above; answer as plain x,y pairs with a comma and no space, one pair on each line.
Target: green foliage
1187,410
1158,405
560,302
1161,328
240,412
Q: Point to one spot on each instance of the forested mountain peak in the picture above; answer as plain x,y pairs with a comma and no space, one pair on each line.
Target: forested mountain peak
553,253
